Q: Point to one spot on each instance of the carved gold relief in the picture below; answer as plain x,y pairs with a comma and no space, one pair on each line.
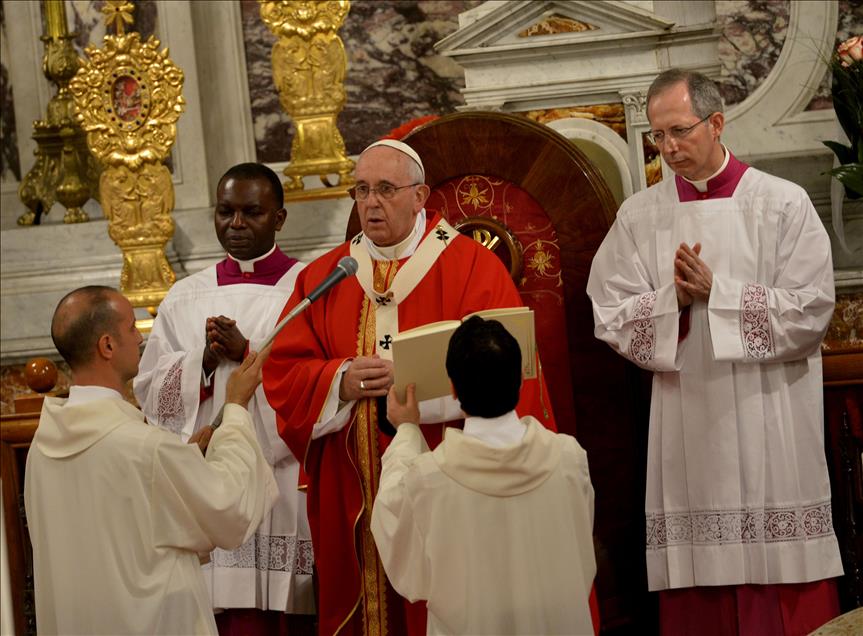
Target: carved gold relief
129,98
553,24
64,170
309,65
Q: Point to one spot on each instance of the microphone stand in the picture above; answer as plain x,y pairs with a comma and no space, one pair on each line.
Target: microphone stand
296,311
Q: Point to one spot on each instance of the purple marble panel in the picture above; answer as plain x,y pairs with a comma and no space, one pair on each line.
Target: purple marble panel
85,18
393,76
10,167
753,32
850,24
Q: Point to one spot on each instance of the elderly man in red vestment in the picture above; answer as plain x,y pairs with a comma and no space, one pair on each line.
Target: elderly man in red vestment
330,366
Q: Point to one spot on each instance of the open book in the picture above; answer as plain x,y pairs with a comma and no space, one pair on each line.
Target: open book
419,354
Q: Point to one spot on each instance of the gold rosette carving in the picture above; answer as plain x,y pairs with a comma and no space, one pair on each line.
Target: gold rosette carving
309,66
129,98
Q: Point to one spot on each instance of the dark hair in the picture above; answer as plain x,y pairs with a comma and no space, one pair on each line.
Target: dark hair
703,92
257,171
75,331
484,363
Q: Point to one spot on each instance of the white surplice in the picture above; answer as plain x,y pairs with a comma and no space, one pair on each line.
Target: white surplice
273,569
737,484
495,536
118,512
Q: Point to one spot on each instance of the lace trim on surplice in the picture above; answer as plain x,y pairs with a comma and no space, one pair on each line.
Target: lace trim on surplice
755,323
716,527
170,411
277,553
643,342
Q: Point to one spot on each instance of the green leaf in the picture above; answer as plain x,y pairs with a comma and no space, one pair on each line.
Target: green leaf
844,153
851,176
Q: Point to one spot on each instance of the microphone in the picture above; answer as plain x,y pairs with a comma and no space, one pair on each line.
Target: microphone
347,266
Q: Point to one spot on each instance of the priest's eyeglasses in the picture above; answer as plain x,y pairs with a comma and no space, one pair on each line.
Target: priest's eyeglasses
387,191
657,137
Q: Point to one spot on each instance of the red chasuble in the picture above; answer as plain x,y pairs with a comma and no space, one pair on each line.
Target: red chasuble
343,468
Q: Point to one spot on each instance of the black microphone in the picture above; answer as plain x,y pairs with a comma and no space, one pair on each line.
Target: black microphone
347,266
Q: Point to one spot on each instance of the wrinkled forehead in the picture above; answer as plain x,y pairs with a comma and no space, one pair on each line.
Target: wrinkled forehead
383,164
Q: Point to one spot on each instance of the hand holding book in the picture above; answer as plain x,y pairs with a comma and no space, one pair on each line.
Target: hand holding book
419,355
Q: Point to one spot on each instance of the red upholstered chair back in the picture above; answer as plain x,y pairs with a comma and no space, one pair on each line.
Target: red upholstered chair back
539,280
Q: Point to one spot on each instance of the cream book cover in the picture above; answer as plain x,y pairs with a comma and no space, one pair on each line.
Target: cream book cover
419,354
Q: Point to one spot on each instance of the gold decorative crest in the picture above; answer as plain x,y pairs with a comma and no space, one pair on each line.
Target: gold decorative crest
309,65
129,98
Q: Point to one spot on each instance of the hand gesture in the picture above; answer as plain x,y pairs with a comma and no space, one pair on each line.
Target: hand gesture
245,379
224,339
201,437
366,377
693,279
398,413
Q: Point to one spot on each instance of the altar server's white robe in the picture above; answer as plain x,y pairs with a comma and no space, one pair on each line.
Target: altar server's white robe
273,570
118,512
737,485
497,540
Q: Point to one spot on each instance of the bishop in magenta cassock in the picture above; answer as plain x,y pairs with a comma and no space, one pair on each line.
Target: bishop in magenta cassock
329,367
720,281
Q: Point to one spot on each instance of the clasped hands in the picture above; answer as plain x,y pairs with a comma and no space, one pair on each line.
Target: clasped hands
693,279
224,341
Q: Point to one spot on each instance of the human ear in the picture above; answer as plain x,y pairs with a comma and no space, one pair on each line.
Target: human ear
105,346
717,123
281,215
422,195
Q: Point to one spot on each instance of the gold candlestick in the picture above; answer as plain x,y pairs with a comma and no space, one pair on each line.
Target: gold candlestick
309,65
64,171
55,19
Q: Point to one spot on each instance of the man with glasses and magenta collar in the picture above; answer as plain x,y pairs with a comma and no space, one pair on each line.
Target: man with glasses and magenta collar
331,365
720,281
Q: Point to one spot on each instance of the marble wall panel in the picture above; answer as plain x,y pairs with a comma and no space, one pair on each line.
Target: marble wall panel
87,20
611,115
13,384
394,75
753,32
10,167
